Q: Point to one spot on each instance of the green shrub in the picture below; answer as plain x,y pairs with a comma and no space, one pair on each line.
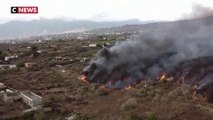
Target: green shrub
2,55
20,64
34,50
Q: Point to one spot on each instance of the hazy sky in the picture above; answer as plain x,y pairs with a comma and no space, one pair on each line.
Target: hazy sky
102,10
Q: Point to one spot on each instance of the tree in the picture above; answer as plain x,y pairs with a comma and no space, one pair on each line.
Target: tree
20,64
34,50
2,55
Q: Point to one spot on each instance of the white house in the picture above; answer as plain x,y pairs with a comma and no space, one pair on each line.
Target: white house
31,99
10,95
92,45
6,58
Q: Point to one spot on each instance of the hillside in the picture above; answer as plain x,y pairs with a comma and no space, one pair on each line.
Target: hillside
20,29
67,96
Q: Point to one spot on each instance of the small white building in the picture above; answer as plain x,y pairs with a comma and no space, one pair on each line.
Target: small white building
92,45
31,99
58,58
84,46
10,95
38,51
2,87
2,67
6,58
28,64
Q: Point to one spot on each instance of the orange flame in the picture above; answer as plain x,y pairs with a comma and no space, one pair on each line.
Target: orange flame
128,87
162,77
102,86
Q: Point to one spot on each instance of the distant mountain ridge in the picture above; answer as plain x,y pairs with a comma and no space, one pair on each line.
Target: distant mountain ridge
190,24
23,29
19,29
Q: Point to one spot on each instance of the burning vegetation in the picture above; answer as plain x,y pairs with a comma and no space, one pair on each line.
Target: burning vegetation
176,51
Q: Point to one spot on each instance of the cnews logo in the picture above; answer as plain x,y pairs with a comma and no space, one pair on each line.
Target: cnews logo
24,10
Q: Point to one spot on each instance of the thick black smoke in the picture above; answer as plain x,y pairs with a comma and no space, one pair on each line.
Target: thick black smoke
152,52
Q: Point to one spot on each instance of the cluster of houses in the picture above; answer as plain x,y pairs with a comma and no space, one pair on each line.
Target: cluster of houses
9,57
12,66
59,58
62,58
10,95
7,66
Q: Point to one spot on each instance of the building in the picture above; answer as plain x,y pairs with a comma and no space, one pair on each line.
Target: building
11,57
84,46
31,99
92,45
29,65
10,95
58,58
7,58
2,87
2,67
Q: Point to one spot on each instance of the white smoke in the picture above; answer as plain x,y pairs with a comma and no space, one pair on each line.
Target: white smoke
199,11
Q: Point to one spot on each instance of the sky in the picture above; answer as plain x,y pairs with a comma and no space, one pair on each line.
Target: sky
102,10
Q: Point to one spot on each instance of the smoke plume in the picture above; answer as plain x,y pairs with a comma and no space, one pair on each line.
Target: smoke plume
199,11
151,52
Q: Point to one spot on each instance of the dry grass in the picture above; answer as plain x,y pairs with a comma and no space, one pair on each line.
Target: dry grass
129,104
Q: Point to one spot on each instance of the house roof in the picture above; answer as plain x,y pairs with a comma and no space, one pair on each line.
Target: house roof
1,84
32,96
